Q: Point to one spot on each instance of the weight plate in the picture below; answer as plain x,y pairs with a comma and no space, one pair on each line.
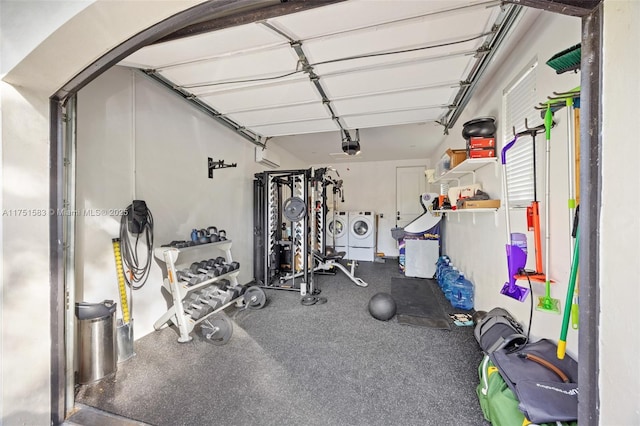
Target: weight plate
217,329
295,209
308,300
254,297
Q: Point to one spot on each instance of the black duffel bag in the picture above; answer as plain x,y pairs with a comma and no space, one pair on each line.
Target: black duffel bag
497,330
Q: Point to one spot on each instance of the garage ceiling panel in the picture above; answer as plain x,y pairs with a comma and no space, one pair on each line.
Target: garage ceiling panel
296,92
429,31
430,73
374,62
297,128
283,114
393,118
235,39
398,100
259,64
357,14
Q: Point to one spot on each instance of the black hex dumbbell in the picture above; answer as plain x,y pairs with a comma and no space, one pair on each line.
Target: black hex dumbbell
232,266
210,267
202,268
198,309
190,278
232,290
224,268
211,296
241,289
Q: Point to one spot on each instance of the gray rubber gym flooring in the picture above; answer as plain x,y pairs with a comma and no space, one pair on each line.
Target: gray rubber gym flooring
289,364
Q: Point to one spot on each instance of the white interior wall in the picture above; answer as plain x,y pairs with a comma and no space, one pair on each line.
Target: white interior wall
50,60
137,140
25,341
371,186
619,225
478,248
24,24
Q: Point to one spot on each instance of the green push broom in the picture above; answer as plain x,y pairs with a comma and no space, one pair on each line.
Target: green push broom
546,303
567,60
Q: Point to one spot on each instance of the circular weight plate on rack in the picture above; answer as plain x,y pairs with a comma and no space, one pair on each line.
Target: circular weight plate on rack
294,209
254,297
217,329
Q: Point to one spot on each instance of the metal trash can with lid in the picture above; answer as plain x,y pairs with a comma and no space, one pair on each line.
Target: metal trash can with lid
96,347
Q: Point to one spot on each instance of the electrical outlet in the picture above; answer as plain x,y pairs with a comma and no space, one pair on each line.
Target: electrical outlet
381,215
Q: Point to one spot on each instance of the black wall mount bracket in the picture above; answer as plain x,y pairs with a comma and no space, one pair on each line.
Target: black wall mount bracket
217,164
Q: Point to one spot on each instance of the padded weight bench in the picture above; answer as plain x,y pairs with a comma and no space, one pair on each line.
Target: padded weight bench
332,259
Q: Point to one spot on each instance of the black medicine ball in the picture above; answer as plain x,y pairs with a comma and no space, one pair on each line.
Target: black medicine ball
382,306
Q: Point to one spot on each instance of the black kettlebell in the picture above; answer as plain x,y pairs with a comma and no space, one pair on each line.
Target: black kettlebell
222,234
203,238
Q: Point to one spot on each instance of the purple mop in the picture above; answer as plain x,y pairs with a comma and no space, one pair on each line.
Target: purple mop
516,243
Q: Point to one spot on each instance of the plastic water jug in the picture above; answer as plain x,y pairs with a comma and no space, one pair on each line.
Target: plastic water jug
450,277
443,270
462,293
442,260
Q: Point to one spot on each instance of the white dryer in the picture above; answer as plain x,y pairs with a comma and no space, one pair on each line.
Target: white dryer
362,235
337,223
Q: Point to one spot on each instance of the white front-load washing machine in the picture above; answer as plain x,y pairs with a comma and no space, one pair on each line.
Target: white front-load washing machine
337,224
362,235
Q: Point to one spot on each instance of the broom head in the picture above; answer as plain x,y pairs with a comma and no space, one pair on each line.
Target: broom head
567,60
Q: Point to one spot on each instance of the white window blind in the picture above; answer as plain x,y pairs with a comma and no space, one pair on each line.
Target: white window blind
518,102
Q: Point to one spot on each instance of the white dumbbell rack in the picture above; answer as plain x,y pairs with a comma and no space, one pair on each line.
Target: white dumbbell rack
179,289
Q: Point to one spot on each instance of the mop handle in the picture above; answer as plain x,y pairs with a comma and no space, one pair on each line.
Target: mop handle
548,123
503,155
503,158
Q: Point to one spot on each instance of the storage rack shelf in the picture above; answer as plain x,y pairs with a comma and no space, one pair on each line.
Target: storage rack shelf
467,167
473,211
179,290
483,210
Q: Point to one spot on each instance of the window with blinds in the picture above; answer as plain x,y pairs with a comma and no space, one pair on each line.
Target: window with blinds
518,102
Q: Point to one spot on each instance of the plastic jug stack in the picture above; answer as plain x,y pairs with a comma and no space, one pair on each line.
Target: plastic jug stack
449,278
461,293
